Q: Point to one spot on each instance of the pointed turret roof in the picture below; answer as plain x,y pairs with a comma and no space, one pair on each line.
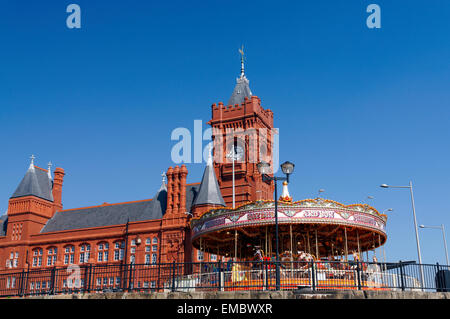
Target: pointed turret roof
242,88
209,190
36,182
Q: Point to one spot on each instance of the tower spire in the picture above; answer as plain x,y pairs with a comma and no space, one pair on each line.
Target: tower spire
241,51
242,88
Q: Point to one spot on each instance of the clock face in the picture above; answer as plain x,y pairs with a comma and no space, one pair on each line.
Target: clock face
238,153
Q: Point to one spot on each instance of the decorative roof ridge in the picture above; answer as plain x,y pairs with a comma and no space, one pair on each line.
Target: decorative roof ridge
42,169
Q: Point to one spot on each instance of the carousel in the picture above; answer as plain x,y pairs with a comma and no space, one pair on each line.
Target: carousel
330,234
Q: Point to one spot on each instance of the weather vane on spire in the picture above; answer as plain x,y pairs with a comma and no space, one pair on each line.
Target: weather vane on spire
241,51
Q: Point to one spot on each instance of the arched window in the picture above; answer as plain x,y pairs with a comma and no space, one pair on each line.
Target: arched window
52,254
103,252
37,257
69,254
85,253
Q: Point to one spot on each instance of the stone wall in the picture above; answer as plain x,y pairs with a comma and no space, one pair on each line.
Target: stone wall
348,294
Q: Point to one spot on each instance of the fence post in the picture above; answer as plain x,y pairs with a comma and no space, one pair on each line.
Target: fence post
358,274
313,274
220,275
440,279
401,275
89,279
173,276
130,279
20,292
52,281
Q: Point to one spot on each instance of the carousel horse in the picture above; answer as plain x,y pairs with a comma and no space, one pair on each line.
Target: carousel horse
286,259
259,255
305,258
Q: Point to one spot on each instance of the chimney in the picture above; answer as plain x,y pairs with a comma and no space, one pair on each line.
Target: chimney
169,190
57,189
176,189
183,175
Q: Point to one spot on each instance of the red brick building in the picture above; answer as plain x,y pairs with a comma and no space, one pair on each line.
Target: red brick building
37,232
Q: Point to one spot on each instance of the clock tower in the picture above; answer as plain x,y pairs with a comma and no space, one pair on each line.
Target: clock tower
242,131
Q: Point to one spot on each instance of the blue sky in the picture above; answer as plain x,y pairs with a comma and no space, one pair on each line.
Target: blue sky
356,107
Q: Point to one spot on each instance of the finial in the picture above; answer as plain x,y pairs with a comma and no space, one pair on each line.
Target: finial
32,162
49,170
210,160
241,51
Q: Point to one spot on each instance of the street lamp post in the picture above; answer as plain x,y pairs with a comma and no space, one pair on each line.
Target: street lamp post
287,168
410,186
443,235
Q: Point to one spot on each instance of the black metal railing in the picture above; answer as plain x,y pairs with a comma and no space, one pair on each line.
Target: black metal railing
224,276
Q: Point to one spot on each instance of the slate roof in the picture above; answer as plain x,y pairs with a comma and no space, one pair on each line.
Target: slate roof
241,90
3,224
209,190
116,214
36,182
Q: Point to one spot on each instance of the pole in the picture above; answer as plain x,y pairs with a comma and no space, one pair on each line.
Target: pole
445,244
346,245
359,248
234,152
235,244
317,248
276,234
417,233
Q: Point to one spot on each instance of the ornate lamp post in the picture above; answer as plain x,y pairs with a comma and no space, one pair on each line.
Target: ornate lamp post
264,169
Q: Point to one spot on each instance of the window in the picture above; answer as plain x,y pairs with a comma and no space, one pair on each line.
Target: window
155,240
133,242
51,256
99,281
153,284
118,250
154,248
147,249
132,259
117,281
200,255
69,254
213,257
147,259
147,241
154,259
133,250
37,259
103,252
85,253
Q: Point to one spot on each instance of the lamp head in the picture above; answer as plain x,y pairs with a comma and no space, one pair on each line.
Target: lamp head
263,167
287,167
